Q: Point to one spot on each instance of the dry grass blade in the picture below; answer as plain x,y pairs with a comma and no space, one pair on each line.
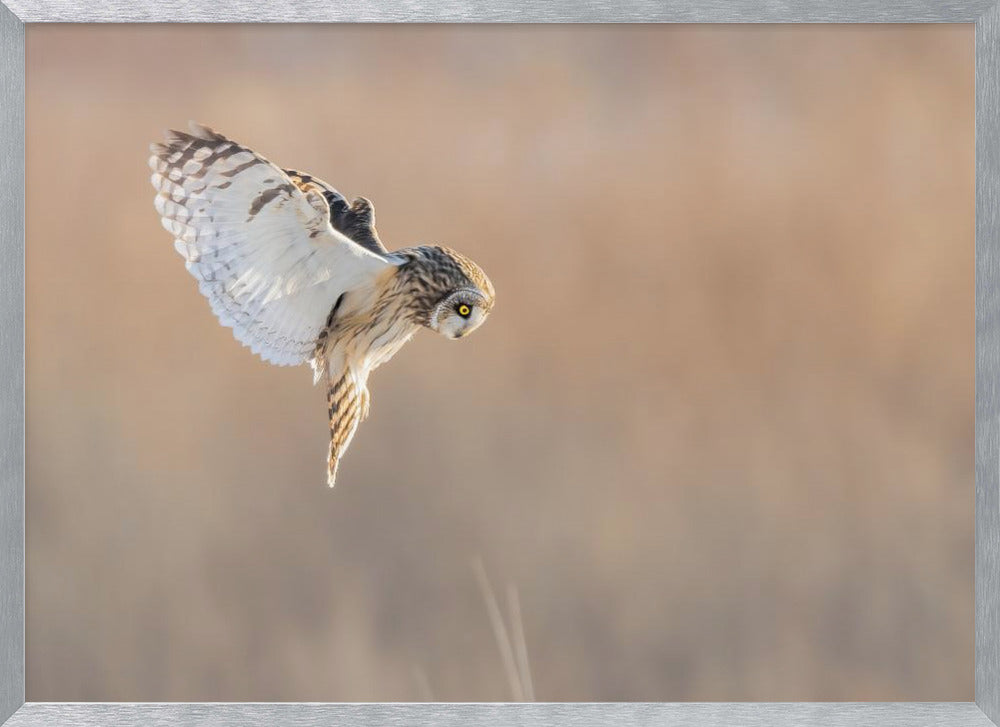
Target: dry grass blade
520,645
499,631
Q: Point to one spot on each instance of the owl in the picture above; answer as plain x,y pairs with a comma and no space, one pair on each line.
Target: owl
300,275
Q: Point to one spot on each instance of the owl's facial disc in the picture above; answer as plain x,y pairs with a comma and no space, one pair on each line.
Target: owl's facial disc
460,313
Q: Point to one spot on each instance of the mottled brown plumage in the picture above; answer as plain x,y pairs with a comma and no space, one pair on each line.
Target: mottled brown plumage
300,275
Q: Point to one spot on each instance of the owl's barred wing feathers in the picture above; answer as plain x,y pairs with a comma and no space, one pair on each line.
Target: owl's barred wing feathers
355,220
261,247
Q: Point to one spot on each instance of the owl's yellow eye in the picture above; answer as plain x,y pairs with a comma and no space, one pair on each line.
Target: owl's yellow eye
464,310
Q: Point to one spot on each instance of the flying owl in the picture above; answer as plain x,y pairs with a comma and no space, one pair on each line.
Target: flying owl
300,275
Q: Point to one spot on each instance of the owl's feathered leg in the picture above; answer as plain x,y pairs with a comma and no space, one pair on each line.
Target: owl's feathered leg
348,405
318,361
318,364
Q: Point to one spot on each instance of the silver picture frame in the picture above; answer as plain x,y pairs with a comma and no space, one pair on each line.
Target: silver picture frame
985,14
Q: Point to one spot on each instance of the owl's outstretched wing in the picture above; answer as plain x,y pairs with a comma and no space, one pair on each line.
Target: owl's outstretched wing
355,220
261,247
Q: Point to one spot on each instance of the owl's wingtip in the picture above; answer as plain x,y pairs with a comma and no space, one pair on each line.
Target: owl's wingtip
203,131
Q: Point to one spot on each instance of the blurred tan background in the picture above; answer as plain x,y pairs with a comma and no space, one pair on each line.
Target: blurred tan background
718,432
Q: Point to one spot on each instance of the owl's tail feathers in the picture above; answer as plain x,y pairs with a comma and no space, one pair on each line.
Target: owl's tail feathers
332,464
348,405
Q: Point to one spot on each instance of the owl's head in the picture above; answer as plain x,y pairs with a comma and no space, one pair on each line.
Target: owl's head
467,296
460,313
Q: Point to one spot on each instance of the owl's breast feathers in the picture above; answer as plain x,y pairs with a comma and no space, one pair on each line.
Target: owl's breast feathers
363,331
366,328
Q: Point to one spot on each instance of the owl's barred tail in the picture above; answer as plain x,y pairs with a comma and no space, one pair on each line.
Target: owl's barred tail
336,397
348,405
333,463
